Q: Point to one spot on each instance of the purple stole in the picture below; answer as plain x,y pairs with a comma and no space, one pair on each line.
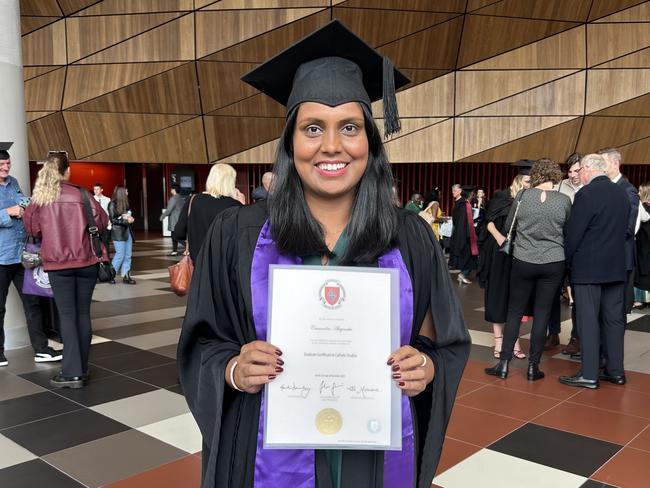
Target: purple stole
295,467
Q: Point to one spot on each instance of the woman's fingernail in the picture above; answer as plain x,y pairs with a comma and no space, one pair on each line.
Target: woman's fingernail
280,361
278,352
272,376
396,367
278,369
397,376
391,361
401,383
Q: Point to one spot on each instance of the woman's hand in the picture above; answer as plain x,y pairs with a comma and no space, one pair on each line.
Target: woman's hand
500,239
258,363
408,370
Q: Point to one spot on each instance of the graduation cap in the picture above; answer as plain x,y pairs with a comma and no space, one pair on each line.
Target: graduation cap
524,166
4,146
331,66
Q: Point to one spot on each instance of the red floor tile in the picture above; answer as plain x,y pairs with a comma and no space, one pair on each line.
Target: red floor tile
185,472
553,367
468,386
548,387
593,422
478,426
630,468
635,381
616,399
453,452
642,441
474,371
507,402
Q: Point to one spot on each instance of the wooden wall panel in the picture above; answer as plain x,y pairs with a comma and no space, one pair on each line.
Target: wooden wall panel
85,82
639,59
409,126
637,107
457,6
182,143
217,30
172,92
506,34
30,72
433,143
640,13
87,35
45,92
609,87
112,7
600,132
637,152
31,116
603,8
40,8
173,41
477,88
256,106
264,153
45,46
48,134
477,134
561,51
30,24
561,97
221,85
72,6
265,4
92,132
609,41
556,143
231,135
572,10
432,99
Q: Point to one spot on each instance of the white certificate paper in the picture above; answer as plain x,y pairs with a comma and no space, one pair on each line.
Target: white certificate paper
336,327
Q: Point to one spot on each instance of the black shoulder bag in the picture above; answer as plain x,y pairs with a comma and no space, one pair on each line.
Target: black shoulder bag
508,244
106,272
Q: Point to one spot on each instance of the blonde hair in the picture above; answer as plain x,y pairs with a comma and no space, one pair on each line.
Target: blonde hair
47,188
644,192
221,181
517,185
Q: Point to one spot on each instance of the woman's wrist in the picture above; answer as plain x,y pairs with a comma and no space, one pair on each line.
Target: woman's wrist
229,373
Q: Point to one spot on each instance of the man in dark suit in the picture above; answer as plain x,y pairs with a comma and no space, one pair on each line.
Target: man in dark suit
594,247
613,159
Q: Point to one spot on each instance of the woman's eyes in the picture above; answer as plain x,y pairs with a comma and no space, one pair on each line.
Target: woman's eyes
348,129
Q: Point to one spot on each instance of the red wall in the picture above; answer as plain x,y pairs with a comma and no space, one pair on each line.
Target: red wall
87,174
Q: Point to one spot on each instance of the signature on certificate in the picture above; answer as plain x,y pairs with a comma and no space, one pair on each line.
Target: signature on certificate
302,391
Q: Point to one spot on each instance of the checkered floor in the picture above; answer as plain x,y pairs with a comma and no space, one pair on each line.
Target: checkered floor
130,426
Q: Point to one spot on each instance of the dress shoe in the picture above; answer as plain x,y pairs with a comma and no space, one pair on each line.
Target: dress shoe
573,347
500,369
60,381
127,280
534,373
617,380
579,380
552,340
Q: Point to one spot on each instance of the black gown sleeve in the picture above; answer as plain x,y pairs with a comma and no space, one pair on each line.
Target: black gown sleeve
180,231
433,288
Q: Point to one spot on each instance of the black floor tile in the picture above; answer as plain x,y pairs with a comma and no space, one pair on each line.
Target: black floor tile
29,408
176,389
595,484
33,474
162,376
133,361
42,378
557,449
141,329
63,431
106,349
642,324
136,305
106,390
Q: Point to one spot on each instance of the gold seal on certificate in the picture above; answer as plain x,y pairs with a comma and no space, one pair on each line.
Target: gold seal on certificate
329,421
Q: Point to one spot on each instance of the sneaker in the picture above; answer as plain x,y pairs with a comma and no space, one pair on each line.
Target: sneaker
173,253
3,359
48,356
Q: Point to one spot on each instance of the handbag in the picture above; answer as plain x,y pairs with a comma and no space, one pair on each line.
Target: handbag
180,274
508,245
37,282
31,256
105,271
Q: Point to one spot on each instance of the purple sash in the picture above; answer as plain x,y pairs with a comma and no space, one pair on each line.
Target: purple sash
295,467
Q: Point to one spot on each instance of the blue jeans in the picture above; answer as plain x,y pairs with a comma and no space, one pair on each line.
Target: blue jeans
122,259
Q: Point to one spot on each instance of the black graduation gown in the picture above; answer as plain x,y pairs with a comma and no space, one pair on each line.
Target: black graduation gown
642,272
219,321
460,252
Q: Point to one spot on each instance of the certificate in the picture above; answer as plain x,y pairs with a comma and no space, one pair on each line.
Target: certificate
336,327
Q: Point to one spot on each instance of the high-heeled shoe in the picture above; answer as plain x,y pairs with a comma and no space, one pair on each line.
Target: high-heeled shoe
534,373
462,279
500,369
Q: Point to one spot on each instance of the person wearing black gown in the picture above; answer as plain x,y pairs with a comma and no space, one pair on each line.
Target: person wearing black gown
332,204
463,245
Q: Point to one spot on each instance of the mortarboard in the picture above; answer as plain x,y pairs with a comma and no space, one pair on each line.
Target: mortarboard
4,146
331,66
524,166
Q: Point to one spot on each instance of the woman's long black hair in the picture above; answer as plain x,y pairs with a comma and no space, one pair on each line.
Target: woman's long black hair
373,223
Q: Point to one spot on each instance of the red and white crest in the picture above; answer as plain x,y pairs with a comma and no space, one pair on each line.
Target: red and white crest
332,294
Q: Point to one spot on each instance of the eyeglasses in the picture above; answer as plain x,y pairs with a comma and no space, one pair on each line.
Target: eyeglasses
580,169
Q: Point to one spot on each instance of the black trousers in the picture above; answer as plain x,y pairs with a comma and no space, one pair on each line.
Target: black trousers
14,273
599,314
526,278
176,241
73,291
105,237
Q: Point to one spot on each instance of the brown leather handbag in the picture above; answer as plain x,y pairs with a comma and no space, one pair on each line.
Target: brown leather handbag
180,274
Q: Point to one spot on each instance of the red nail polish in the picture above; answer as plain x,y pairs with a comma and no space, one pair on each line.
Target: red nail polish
401,383
391,361
278,352
396,367
397,376
280,361
278,369
272,376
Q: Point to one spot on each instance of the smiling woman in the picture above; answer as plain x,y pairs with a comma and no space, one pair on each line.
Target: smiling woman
331,203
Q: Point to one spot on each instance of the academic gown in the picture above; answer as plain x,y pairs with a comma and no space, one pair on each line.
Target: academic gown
460,251
219,321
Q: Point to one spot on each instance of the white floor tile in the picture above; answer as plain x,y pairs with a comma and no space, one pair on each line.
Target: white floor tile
181,432
12,453
145,409
153,340
491,469
152,276
481,338
98,340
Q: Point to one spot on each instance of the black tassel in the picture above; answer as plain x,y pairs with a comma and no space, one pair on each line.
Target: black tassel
392,123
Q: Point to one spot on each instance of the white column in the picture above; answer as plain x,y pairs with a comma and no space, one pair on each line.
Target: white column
13,127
